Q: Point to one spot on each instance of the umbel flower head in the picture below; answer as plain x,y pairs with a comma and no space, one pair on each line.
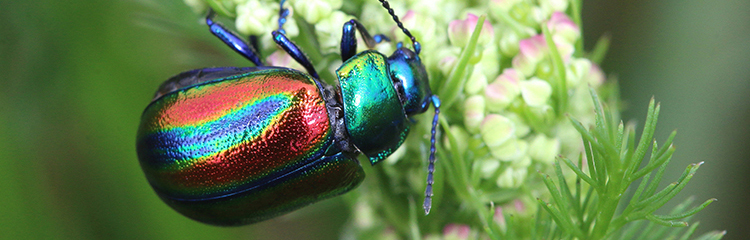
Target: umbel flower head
506,119
510,73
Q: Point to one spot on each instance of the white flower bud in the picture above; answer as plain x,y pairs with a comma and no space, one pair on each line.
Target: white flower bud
535,92
544,149
496,129
473,113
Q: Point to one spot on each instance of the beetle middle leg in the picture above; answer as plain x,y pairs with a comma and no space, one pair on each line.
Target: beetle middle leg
233,40
279,36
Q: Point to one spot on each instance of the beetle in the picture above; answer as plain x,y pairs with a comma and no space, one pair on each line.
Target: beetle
238,145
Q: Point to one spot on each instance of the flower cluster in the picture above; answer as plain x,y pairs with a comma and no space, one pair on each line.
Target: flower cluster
506,91
504,121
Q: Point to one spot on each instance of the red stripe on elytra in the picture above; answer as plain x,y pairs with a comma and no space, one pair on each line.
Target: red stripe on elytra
209,102
301,129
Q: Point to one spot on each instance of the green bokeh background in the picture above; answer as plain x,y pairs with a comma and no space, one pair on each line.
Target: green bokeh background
77,74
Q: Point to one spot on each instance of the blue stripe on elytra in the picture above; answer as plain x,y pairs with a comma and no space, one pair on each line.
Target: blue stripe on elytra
191,142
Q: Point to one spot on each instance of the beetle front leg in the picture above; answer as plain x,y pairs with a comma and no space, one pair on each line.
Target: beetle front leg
232,40
349,40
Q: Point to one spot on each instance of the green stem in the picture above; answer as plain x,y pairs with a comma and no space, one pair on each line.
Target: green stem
575,7
609,205
559,72
454,85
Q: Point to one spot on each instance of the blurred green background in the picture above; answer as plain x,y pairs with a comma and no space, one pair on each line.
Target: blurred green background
77,74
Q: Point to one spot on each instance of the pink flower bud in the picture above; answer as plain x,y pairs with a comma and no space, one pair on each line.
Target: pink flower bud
446,64
533,50
519,205
500,218
456,231
421,26
459,31
503,5
530,53
595,77
501,92
559,24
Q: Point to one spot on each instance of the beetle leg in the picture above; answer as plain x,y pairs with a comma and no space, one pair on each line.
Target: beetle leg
283,13
232,40
294,51
349,40
279,36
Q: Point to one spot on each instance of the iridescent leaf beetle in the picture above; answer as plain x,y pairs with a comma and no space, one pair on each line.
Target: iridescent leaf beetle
239,145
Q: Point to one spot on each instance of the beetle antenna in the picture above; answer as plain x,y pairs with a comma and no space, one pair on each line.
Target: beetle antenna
414,42
431,168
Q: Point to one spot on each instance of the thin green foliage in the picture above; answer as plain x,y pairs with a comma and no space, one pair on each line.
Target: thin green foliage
615,162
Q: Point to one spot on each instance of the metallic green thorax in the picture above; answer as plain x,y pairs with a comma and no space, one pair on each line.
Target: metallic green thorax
374,116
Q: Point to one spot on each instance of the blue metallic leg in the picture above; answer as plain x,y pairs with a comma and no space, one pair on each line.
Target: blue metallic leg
283,13
279,36
349,40
232,40
294,52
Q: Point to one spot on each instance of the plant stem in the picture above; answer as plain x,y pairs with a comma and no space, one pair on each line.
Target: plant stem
609,205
